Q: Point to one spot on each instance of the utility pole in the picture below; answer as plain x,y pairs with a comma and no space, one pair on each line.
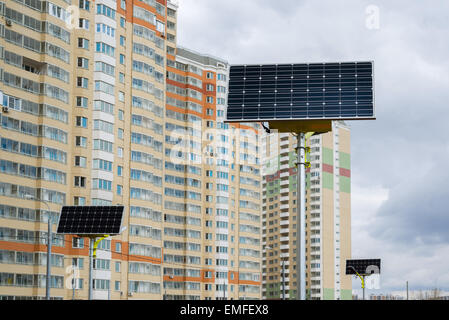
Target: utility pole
301,215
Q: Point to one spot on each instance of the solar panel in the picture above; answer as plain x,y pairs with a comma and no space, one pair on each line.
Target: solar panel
90,220
301,91
363,266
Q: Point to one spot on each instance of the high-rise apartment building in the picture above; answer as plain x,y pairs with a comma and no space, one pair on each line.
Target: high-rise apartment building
99,107
328,215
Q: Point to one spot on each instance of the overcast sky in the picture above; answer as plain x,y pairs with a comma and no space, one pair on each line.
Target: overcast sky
400,185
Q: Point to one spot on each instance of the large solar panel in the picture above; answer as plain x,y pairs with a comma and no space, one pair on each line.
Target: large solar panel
334,91
363,266
90,220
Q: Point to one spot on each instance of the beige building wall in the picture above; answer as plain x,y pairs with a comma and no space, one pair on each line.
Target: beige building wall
114,118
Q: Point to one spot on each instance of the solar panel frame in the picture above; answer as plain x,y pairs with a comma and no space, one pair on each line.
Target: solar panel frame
90,220
307,91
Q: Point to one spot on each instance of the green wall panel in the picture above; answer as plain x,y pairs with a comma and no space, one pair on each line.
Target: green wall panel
345,160
328,180
328,294
328,157
346,294
345,184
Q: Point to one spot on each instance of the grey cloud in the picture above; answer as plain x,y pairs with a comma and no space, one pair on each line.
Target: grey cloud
406,148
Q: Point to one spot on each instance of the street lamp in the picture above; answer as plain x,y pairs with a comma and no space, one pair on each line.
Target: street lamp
49,243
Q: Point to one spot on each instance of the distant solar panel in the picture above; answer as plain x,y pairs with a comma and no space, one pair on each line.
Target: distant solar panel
363,266
301,92
90,220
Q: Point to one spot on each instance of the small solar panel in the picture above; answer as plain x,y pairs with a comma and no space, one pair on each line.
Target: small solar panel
363,266
301,91
90,220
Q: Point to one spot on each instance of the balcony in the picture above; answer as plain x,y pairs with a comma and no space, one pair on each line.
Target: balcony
284,230
284,166
285,214
285,183
285,199
284,223
284,206
284,239
285,247
284,255
285,174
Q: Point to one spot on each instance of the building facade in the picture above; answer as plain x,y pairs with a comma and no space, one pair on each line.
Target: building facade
99,107
328,215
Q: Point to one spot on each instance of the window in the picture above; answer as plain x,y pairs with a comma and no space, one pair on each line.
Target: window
122,22
81,102
81,122
77,243
82,82
80,182
120,133
117,286
83,43
83,63
119,171
105,29
80,161
210,112
210,99
81,141
121,115
120,152
119,190
118,247
123,4
79,201
84,4
121,77
101,184
122,58
122,40
105,10
78,262
117,266
210,87
83,23
102,47
121,96
209,75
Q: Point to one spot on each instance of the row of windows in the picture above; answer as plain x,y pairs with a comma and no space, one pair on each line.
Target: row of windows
33,150
37,46
148,105
19,169
34,237
30,258
34,129
145,213
35,215
38,25
145,122
13,190
35,87
27,106
30,280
